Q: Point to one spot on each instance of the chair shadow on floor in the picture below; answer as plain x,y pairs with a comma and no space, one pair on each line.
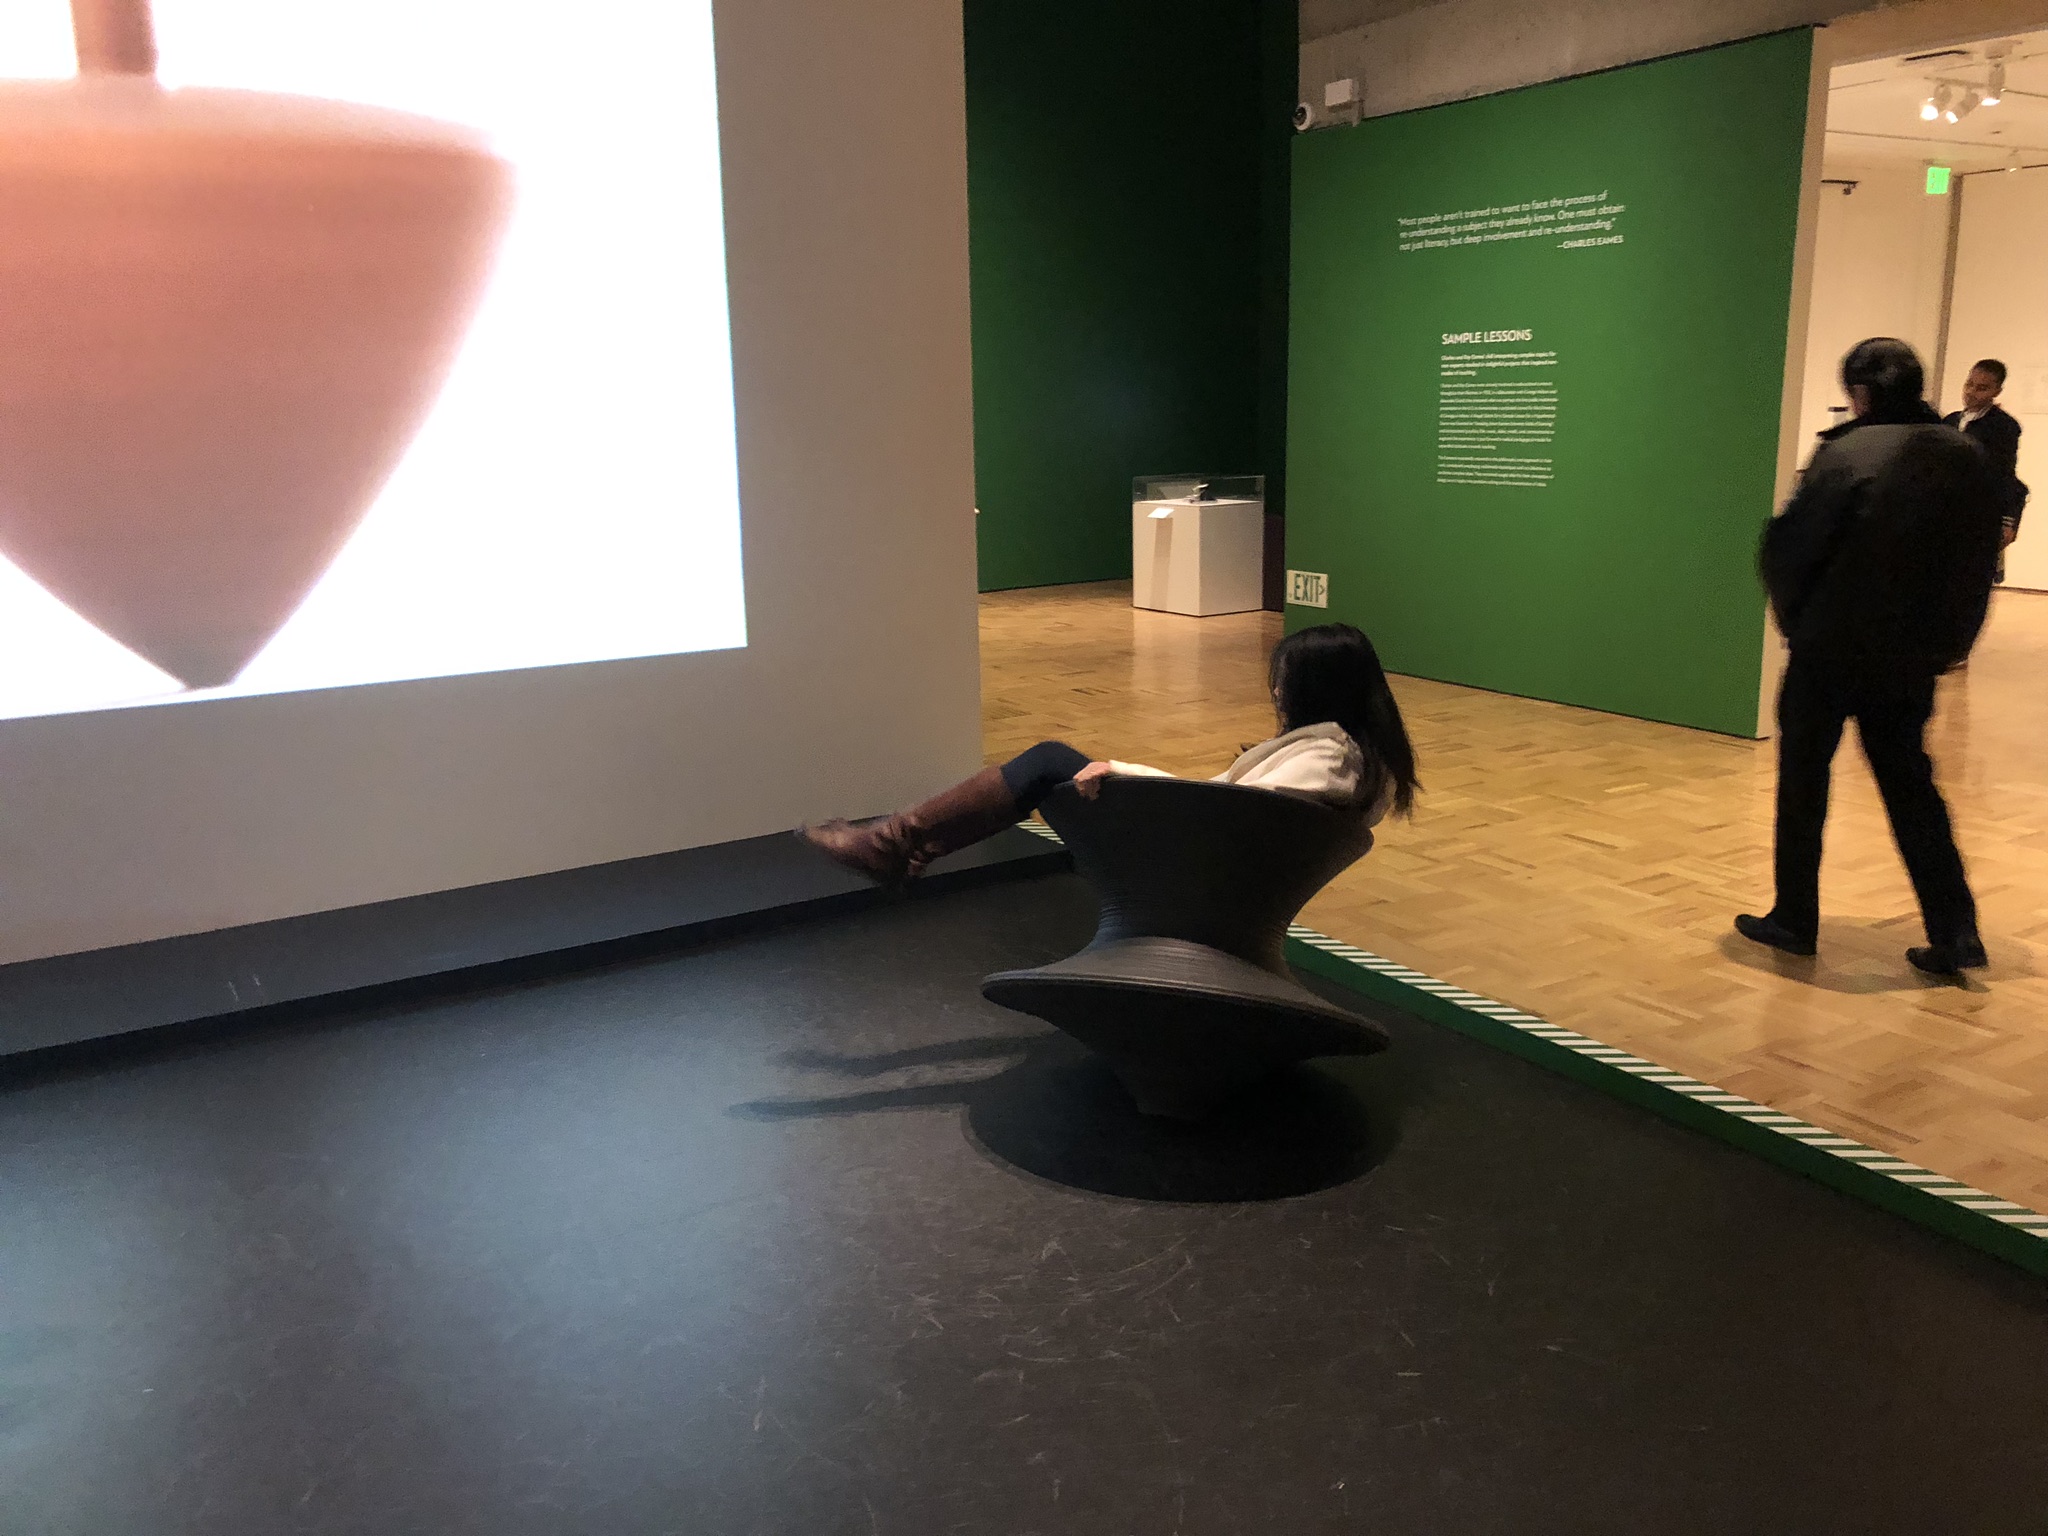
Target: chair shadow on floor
1056,1112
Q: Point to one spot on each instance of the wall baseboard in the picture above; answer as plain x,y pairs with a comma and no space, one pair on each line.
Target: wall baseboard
510,928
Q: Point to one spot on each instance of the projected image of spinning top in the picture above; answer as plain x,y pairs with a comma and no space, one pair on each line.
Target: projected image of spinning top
223,316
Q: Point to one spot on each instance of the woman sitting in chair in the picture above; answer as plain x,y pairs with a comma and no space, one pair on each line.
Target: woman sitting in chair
1341,742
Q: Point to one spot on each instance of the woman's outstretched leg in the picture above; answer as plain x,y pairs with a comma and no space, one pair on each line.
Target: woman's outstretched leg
1037,771
897,848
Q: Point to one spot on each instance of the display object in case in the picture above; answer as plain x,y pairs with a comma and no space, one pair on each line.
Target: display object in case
1198,543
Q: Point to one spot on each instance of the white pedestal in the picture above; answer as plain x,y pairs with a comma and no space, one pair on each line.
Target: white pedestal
1198,557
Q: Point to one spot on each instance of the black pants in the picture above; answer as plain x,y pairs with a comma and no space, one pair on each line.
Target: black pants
1037,771
1813,704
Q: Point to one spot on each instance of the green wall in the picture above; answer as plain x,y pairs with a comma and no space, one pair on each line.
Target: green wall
1621,574
1127,167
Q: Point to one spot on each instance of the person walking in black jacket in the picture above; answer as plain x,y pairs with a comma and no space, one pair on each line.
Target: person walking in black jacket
1879,572
1987,424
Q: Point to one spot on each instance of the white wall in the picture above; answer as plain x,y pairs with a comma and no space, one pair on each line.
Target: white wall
845,175
1877,271
1791,382
2001,310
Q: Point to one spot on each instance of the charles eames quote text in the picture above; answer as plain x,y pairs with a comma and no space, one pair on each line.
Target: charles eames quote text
1572,223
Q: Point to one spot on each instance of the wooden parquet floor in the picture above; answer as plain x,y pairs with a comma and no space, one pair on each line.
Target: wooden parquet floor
1586,867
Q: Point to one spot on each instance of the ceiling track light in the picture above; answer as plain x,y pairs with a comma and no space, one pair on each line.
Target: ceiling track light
1950,100
1995,54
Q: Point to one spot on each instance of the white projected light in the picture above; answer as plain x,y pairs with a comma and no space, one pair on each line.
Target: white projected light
478,413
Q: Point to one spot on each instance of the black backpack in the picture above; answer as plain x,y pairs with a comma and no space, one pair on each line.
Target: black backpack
1917,571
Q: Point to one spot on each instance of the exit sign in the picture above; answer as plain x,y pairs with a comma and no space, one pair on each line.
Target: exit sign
1308,589
1937,180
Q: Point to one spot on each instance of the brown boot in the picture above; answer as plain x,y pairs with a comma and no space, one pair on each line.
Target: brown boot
897,848
978,806
879,849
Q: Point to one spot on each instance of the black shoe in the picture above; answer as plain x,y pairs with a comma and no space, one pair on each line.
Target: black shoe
1768,930
1952,959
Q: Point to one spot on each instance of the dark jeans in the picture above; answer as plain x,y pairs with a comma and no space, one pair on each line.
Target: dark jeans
1813,704
1037,771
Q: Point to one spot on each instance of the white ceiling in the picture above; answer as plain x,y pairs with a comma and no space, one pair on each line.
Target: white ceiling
1874,109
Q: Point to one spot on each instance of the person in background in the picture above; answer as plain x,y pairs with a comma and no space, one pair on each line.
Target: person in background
1341,741
1987,424
1879,573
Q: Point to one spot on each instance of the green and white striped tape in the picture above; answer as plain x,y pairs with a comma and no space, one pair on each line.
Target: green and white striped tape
1987,1221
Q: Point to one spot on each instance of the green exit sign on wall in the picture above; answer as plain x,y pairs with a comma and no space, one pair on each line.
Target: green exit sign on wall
1937,180
1308,589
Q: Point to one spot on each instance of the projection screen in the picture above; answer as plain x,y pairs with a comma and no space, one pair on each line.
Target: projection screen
366,340
381,382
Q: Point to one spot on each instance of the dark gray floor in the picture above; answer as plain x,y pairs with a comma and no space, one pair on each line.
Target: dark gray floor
796,1234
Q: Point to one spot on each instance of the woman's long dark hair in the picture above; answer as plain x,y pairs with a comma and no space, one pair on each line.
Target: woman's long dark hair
1331,673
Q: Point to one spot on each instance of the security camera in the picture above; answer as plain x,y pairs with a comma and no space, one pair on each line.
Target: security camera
1304,115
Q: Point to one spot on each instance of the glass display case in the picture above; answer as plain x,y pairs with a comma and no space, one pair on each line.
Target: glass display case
1198,488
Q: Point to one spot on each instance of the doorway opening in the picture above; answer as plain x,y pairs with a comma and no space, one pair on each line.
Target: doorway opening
1933,215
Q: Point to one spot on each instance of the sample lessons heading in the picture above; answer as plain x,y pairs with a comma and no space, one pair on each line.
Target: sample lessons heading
1481,338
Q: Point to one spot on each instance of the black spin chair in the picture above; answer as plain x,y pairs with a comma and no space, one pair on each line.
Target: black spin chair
1185,987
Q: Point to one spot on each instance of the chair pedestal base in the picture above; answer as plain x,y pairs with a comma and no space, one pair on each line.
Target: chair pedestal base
1184,1026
